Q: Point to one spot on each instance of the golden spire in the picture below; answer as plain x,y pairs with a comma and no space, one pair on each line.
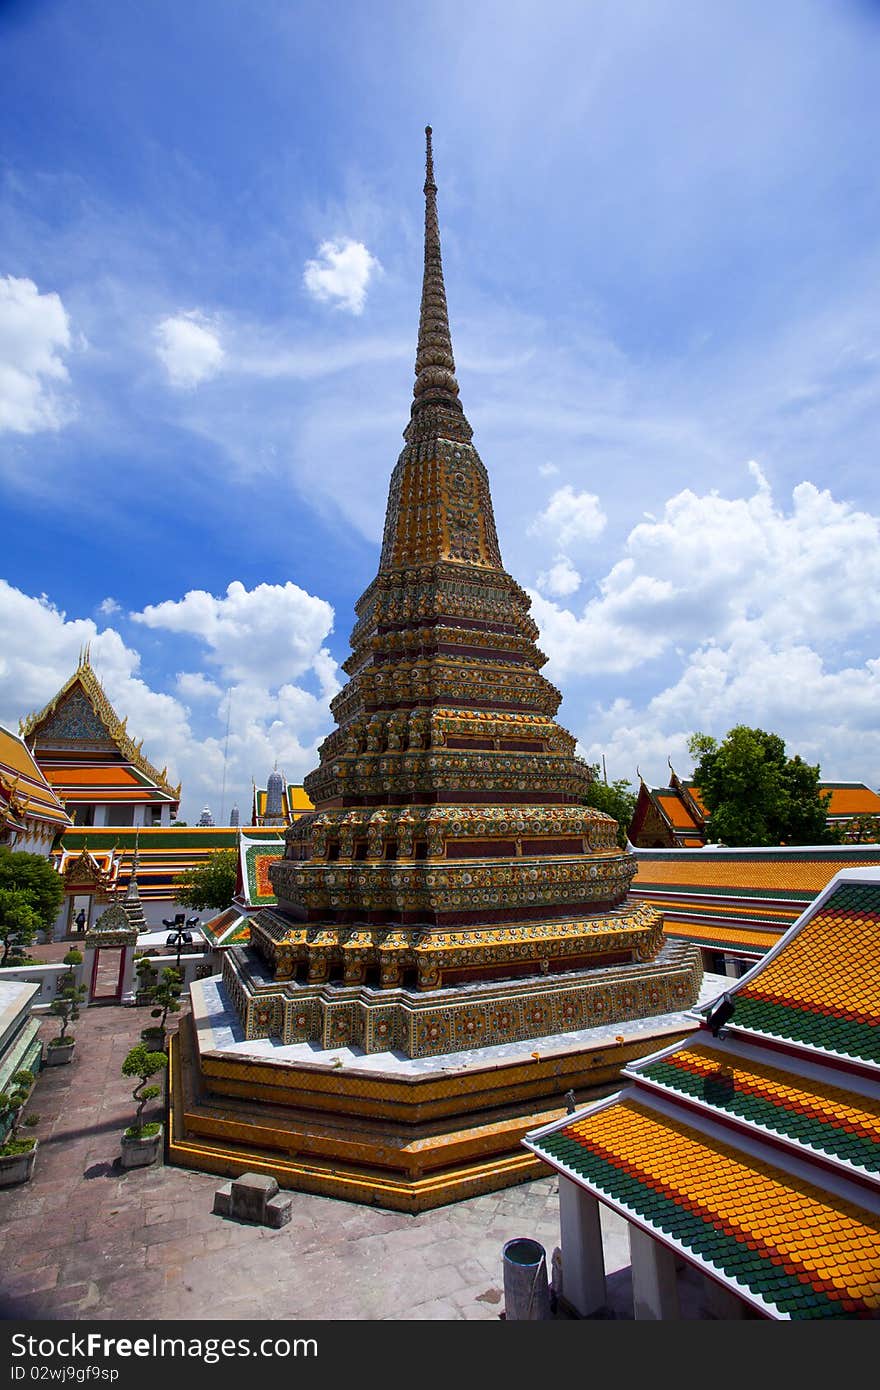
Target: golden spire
436,408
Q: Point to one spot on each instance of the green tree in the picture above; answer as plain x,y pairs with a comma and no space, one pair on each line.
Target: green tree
143,1064
19,924
616,799
167,995
34,875
861,830
211,884
67,1000
754,794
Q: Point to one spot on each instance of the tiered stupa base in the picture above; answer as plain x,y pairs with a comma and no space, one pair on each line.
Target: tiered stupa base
532,998
411,1133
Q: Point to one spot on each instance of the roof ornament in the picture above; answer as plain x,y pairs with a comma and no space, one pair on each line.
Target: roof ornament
436,407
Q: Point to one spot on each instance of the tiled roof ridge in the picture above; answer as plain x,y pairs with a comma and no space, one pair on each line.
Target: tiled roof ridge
668,1212
833,1136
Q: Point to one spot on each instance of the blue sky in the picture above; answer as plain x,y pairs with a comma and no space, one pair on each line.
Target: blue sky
660,228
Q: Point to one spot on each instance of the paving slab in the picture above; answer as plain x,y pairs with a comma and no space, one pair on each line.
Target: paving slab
86,1241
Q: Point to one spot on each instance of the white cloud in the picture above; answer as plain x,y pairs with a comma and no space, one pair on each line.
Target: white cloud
341,274
570,518
109,606
192,685
759,615
718,568
561,580
34,331
828,716
270,720
189,348
274,718
547,470
271,633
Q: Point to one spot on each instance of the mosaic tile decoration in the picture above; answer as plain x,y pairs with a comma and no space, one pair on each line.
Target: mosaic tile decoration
826,1119
823,989
804,1251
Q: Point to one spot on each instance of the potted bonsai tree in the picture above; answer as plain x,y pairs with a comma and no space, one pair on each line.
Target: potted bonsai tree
147,979
166,995
65,1006
17,1156
140,1142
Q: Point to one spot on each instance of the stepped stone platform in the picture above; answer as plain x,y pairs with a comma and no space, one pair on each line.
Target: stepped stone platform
382,1128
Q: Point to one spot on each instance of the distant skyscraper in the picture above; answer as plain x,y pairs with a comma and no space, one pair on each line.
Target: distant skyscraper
206,818
235,816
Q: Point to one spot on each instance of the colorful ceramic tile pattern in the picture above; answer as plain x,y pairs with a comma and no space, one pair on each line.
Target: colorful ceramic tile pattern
804,1251
759,1158
823,989
821,1117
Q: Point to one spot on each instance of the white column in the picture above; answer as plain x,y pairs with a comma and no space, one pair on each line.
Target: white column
720,1302
654,1280
583,1261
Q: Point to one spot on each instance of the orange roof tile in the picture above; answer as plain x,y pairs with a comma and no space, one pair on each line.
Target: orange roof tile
712,872
722,935
853,801
23,788
79,775
819,1242
676,810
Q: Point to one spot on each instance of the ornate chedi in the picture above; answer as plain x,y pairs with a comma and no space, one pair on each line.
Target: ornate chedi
449,848
446,902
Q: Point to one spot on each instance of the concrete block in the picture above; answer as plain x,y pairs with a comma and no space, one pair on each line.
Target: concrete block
278,1211
223,1200
250,1198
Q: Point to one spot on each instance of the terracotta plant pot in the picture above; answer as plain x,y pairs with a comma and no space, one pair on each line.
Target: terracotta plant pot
139,1153
16,1168
57,1055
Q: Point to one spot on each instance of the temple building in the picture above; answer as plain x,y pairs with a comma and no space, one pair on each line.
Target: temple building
32,818
453,924
279,803
97,866
675,817
736,904
94,767
752,1150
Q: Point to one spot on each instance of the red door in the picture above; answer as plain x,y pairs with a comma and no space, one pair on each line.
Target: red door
107,973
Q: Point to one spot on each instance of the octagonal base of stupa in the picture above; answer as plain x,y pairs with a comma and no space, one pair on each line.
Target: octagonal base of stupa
408,1133
525,1002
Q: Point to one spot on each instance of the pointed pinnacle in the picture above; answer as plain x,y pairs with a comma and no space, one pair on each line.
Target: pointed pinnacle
436,389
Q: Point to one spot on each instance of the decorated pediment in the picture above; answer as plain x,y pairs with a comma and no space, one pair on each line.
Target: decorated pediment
74,720
112,928
86,872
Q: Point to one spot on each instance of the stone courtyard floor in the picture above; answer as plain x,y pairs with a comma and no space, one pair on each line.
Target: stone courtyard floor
85,1240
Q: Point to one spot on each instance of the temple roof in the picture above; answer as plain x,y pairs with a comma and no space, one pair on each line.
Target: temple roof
294,802
677,815
79,718
754,1148
739,900
25,794
164,852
